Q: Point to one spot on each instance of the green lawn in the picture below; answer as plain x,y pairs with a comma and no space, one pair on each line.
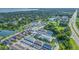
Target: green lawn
74,45
52,43
60,28
77,20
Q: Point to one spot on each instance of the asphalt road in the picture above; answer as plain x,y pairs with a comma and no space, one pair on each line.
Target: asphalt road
74,29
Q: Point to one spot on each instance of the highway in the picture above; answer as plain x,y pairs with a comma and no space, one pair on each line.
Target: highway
74,29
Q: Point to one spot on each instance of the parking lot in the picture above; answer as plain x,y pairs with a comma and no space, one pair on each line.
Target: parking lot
30,43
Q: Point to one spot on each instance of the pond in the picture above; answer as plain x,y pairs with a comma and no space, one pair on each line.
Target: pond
5,33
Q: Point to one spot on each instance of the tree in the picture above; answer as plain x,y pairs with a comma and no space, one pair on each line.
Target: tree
3,47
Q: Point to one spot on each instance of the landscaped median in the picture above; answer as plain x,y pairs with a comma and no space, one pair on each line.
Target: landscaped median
77,22
75,30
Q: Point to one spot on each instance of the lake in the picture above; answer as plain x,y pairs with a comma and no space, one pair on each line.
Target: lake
5,10
5,33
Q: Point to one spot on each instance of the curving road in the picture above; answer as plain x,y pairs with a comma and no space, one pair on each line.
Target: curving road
72,25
